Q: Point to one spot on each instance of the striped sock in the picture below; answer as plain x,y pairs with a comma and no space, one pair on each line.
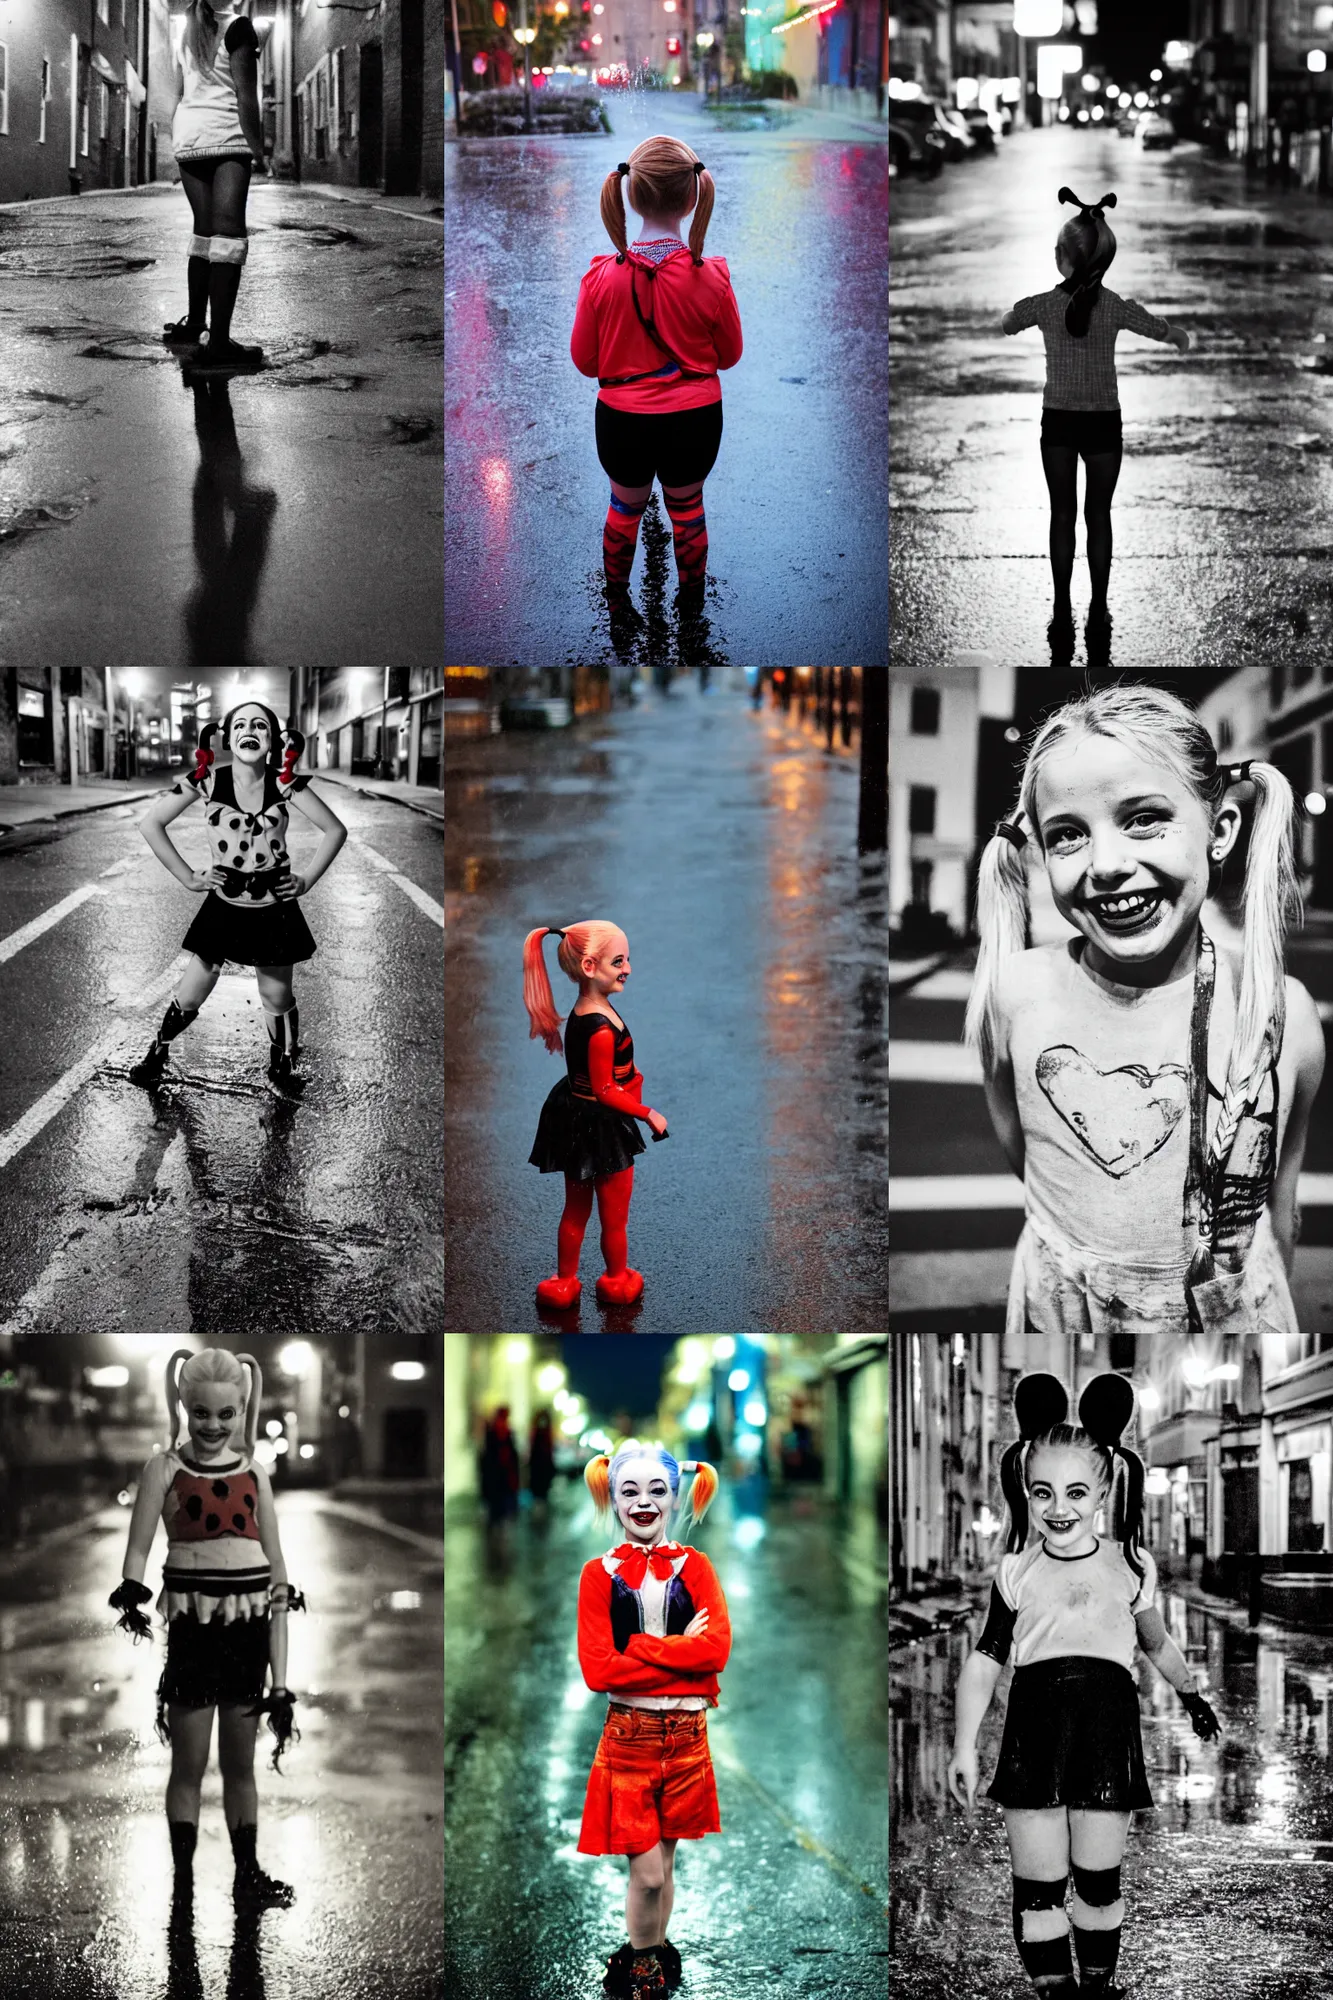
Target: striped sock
690,533
619,539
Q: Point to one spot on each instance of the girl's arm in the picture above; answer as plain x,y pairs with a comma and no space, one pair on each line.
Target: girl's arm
727,341
709,1652
1157,1645
604,1669
335,833
601,1075
1021,316
243,57
1002,1103
153,826
143,1521
1134,319
583,340
1305,1041
266,1519
976,1686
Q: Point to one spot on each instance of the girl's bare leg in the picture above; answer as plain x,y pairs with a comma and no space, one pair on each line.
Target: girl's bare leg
1039,1855
191,1735
668,1886
236,1760
643,1905
1097,1844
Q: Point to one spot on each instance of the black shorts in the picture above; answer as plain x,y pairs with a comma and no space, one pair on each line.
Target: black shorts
1088,432
680,447
1071,1738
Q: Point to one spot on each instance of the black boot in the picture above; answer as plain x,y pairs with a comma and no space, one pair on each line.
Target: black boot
284,1052
635,1973
669,1960
252,1887
174,1022
184,1834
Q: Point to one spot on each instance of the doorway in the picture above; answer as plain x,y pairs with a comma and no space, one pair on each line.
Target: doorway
405,1438
370,116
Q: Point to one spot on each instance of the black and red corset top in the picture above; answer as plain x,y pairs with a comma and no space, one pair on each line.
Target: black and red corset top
202,1507
579,1031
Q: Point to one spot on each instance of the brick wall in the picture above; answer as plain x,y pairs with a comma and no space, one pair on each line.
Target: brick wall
327,74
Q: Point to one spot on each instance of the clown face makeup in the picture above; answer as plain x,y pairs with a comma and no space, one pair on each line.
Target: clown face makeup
213,1411
250,738
1065,1490
642,1500
607,972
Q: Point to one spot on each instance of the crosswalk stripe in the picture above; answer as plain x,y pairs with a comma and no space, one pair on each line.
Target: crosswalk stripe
915,1193
434,910
19,939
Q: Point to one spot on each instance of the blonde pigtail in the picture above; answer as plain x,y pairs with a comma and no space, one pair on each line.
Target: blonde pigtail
703,1487
253,1400
537,995
1002,925
613,209
1271,904
597,1479
181,1356
703,212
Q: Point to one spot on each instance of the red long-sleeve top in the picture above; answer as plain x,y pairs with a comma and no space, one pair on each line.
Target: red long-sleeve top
694,310
670,1666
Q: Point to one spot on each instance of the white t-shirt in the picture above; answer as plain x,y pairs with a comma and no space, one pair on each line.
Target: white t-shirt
1080,1607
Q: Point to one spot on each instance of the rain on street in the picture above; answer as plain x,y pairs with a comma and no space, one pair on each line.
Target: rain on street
238,521
1226,1881
790,1898
127,1209
796,505
353,1820
1222,509
724,843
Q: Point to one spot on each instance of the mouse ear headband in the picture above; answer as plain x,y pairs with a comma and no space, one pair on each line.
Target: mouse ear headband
1040,1403
1104,1408
1087,207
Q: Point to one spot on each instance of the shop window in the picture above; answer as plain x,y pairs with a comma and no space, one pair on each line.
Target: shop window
44,100
925,719
921,809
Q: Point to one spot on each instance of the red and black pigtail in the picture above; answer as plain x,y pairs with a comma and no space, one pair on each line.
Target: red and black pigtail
203,756
293,745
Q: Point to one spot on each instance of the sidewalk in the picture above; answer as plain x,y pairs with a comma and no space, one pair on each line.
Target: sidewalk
420,207
21,805
423,799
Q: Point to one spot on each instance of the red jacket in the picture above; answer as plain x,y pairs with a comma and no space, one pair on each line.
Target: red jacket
671,1666
694,310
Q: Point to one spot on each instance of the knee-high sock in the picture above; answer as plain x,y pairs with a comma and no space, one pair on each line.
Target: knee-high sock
283,1030
175,1021
1049,1961
620,538
573,1223
1097,1894
689,531
613,1198
196,277
226,257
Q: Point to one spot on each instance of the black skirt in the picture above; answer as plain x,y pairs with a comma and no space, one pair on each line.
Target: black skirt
582,1140
1085,431
1071,1738
213,1664
276,934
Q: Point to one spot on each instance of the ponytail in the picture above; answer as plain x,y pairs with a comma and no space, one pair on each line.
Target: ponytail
253,1400
1002,925
181,1356
597,1479
537,995
660,171
703,1487
203,755
1089,245
1127,1506
1271,903
613,208
293,745
1016,1495
703,214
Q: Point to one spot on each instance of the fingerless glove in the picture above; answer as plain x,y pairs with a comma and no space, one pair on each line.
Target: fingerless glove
1202,1718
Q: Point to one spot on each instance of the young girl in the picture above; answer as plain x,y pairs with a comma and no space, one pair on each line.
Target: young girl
654,1635
1070,1606
250,913
1080,417
225,1599
654,325
588,1130
1152,1088
218,138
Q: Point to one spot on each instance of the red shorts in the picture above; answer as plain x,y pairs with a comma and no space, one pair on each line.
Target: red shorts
651,1780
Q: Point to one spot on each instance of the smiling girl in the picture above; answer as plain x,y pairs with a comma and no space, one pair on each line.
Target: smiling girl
653,1635
1151,1087
589,1125
225,1599
1071,1606
250,913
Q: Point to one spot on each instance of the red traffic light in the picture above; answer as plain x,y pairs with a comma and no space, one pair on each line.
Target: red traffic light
673,45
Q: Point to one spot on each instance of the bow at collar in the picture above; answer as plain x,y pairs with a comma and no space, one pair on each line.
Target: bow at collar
635,1562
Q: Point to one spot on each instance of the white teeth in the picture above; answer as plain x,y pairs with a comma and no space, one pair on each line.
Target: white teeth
1123,906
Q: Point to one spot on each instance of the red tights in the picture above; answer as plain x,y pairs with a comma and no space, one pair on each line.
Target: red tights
613,1198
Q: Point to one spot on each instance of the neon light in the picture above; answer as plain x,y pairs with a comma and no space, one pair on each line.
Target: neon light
809,14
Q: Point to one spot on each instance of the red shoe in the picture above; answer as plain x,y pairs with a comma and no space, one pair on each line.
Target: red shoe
623,1288
559,1292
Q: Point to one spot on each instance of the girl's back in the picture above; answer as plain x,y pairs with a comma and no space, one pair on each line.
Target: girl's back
693,309
1080,373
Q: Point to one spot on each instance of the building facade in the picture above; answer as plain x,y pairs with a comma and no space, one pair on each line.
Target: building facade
946,727
368,94
73,96
379,722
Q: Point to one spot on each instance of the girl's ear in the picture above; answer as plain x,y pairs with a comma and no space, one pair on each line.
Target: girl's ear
1227,824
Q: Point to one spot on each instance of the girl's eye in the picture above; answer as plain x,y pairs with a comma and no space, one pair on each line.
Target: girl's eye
1148,822
1065,837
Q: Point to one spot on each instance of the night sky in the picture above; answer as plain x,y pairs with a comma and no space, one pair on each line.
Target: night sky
617,1372
1131,33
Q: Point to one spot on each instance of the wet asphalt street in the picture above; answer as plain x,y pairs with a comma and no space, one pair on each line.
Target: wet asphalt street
353,1820
243,522
796,503
724,843
1226,1881
790,1898
1221,515
211,1205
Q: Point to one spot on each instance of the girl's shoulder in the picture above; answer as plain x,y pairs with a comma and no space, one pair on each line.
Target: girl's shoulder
696,1560
1303,1037
1012,1570
1025,974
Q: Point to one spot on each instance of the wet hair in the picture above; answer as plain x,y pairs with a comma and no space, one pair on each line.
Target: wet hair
284,745
1086,242
1162,729
662,178
577,942
600,1476
212,1364
1104,1409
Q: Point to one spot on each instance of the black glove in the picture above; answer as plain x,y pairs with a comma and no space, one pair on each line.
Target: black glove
278,1706
1202,1718
127,1600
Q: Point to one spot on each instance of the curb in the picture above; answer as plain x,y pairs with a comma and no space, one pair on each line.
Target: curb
366,1517
410,805
74,812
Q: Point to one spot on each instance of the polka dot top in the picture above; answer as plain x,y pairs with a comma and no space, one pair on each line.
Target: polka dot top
204,1506
251,847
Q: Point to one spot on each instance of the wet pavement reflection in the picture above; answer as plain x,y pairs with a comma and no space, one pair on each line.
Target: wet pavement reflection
789,1899
352,1821
723,841
1227,1880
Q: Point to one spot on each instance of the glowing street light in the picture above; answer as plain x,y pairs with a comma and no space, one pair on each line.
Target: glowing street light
1316,62
296,1358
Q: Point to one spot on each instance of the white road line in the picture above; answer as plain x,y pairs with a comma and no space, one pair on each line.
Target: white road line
17,940
434,910
53,1101
916,1193
946,985
933,1062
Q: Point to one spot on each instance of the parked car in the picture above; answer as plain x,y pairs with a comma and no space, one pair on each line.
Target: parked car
927,114
979,124
914,149
959,130
1154,133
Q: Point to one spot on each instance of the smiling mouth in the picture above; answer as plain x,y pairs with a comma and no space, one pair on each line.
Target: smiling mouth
1061,1527
248,743
642,1519
1133,911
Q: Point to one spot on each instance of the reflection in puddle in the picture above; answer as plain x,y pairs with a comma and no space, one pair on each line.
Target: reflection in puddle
232,522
